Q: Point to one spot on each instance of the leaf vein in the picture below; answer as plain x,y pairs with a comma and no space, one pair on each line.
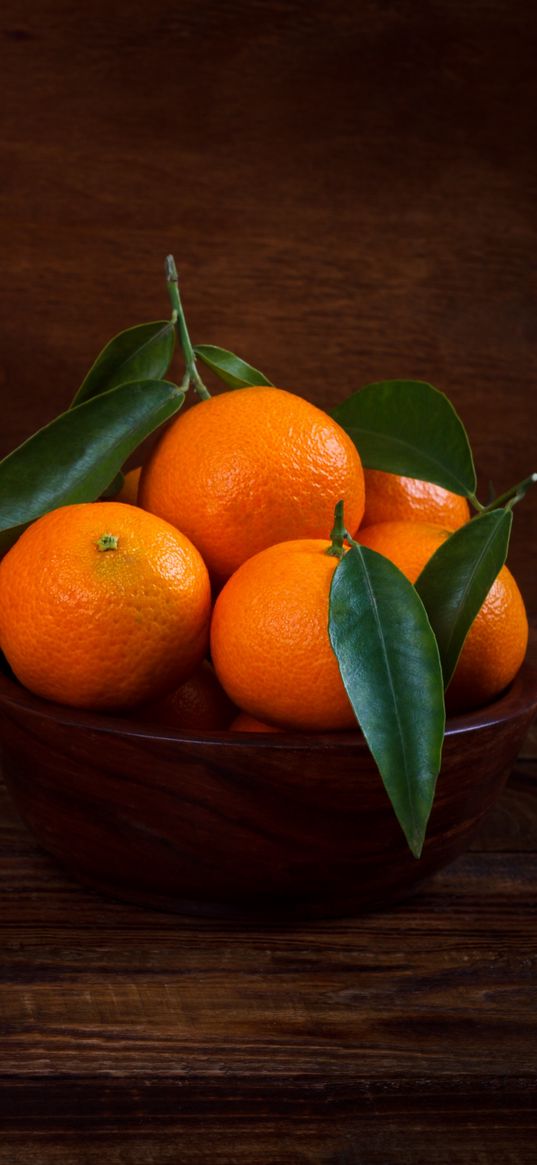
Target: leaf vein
151,340
378,622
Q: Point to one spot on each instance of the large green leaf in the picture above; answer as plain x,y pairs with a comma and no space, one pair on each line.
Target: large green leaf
140,353
231,369
409,427
389,663
77,456
456,581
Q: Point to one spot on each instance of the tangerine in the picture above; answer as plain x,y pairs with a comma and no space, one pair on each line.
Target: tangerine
102,604
198,705
496,643
245,723
407,544
248,468
269,638
390,497
129,490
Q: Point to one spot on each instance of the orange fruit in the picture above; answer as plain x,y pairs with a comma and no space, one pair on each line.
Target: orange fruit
129,490
102,604
408,544
390,498
269,639
198,705
248,468
245,723
497,640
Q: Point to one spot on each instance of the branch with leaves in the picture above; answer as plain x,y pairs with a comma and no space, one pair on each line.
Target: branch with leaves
397,645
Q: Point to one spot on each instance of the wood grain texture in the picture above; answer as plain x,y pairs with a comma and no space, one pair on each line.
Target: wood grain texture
281,827
350,193
402,1036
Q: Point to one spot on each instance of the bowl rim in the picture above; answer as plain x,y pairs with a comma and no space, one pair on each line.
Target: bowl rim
519,699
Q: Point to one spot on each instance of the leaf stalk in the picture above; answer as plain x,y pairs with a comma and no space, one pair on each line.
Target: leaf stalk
509,498
338,533
178,319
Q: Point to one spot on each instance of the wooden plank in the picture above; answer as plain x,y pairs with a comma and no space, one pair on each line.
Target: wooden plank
350,196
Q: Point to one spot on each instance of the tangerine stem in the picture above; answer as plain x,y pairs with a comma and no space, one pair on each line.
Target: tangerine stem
338,533
475,503
511,496
107,542
178,318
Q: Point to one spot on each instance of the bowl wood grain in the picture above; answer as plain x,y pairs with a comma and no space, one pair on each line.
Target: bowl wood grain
243,825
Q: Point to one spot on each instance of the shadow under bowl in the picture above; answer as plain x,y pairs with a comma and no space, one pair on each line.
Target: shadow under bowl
244,826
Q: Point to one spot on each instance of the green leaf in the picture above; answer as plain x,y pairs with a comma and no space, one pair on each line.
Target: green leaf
77,456
141,353
389,663
456,581
409,427
231,369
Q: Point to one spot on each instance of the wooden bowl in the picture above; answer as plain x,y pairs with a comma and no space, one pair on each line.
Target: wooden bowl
244,826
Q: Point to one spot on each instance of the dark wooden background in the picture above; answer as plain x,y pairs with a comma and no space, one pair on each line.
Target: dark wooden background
349,190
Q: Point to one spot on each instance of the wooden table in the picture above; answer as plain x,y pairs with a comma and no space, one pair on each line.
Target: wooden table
349,190
403,1037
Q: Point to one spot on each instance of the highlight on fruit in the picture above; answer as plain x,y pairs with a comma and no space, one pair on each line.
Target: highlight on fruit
340,564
